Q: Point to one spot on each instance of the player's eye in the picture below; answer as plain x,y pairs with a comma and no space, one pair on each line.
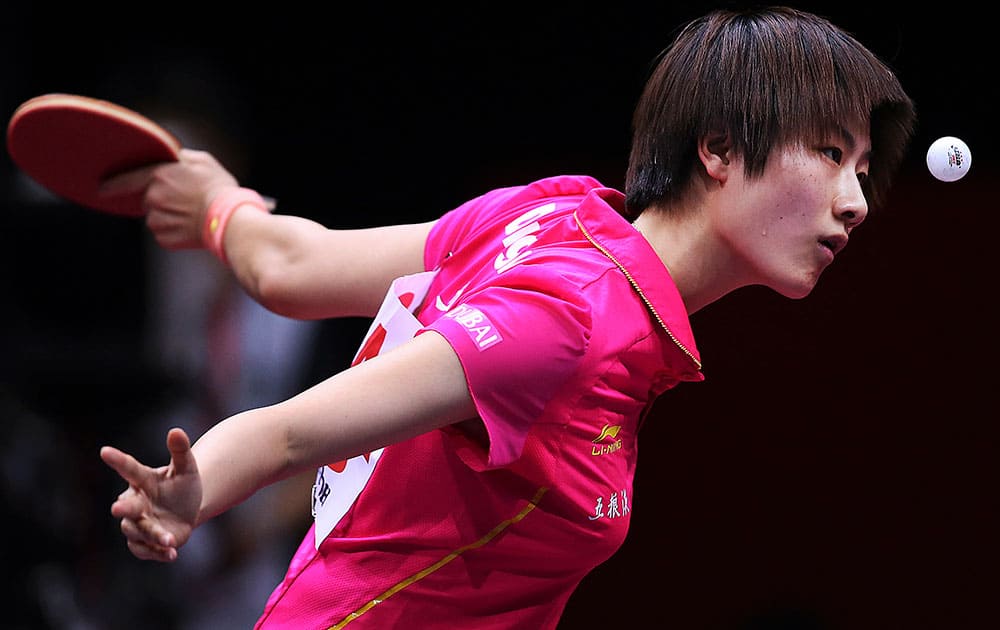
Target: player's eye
862,178
834,154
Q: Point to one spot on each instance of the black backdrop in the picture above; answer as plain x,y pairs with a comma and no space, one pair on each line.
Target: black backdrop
837,468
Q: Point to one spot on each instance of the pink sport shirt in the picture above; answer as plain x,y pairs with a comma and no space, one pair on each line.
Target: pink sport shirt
568,327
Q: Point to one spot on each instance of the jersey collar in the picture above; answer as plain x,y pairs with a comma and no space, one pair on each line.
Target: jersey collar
617,239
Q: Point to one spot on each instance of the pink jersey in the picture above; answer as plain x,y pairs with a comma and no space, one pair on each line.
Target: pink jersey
568,327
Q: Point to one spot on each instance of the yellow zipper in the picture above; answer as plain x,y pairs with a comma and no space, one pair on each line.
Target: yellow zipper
532,504
638,290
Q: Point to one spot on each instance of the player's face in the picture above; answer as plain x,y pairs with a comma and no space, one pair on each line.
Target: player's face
787,225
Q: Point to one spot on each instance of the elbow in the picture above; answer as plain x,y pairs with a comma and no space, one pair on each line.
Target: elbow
273,288
274,291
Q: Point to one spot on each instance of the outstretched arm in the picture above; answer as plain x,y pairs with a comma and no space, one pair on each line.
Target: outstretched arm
412,389
291,265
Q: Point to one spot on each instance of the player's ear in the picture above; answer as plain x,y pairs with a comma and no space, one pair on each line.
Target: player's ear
715,153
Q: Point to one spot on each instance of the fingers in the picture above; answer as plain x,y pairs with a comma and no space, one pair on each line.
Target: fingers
179,445
147,532
175,195
126,466
143,508
169,235
144,537
137,179
127,182
129,505
146,551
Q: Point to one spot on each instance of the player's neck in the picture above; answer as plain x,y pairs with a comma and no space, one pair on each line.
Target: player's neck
699,265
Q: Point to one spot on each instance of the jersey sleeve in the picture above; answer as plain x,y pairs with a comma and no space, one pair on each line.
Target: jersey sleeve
519,340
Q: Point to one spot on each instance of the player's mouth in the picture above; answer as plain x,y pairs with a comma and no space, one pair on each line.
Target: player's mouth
834,243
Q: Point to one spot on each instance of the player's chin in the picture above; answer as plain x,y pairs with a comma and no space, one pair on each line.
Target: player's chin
796,288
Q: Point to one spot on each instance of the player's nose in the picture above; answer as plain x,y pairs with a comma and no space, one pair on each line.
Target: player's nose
849,205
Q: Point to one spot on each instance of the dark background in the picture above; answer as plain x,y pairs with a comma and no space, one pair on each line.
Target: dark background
837,468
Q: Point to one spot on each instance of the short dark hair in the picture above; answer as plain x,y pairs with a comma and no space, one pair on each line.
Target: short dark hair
767,78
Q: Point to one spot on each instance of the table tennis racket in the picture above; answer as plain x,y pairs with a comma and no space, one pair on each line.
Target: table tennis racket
70,144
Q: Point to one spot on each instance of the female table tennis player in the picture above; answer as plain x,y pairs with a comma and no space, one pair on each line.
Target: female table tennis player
476,461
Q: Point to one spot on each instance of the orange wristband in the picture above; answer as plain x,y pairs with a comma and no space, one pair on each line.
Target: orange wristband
219,211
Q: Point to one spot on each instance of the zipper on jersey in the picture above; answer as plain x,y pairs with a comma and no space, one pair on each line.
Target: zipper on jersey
638,290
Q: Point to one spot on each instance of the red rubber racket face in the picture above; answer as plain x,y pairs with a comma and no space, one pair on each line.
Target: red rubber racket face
70,144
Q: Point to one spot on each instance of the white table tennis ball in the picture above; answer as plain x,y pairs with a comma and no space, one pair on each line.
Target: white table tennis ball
949,159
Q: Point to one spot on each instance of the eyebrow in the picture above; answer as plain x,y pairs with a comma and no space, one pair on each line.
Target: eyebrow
852,142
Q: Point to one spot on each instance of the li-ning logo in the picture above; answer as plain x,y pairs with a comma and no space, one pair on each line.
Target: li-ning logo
602,446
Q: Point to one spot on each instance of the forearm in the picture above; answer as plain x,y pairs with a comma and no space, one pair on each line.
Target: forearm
291,265
239,456
413,389
299,268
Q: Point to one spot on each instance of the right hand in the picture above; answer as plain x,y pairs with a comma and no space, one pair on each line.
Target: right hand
177,195
160,508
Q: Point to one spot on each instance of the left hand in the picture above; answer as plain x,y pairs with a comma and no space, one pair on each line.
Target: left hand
160,508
